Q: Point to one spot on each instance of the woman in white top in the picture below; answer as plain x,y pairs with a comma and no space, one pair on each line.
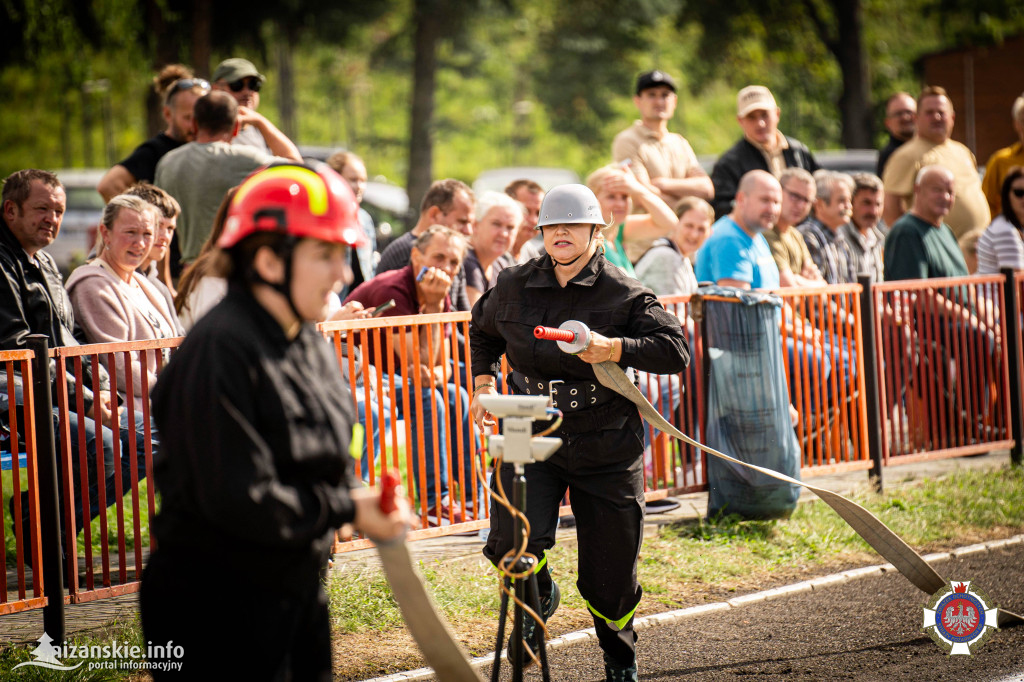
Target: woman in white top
667,267
199,289
1002,244
112,301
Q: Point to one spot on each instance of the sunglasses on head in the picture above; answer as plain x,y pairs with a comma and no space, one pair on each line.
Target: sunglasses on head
183,84
253,83
1018,192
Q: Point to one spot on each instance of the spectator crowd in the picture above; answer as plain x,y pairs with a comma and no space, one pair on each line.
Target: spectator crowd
767,216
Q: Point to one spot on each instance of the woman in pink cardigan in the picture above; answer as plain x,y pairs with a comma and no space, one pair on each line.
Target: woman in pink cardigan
112,301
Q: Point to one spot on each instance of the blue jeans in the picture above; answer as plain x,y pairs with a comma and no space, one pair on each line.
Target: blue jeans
814,363
441,401
374,425
126,435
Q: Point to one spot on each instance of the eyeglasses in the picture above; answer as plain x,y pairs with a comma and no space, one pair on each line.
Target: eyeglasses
798,198
254,84
183,84
902,113
1018,192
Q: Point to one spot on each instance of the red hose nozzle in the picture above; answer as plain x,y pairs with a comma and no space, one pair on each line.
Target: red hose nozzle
572,337
389,481
552,334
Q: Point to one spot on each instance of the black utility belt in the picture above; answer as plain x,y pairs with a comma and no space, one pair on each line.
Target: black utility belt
567,396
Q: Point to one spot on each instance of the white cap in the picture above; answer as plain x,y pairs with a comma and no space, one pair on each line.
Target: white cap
752,98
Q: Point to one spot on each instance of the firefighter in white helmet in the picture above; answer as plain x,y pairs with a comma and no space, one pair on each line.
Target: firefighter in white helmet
600,463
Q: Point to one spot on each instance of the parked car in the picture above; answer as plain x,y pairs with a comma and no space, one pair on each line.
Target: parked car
82,217
388,205
849,160
498,178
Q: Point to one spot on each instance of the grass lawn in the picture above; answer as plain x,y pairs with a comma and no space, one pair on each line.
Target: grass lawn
95,535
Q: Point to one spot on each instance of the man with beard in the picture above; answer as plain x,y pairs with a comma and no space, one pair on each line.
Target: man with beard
865,233
180,92
900,111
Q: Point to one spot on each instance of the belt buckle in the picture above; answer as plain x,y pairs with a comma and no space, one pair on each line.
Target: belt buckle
554,391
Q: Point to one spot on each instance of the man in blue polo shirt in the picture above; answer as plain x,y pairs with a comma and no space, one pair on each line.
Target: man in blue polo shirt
736,254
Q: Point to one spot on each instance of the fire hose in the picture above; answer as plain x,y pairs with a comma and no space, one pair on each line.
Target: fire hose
574,337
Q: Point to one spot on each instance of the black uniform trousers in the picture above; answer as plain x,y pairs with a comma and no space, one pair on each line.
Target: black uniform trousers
267,621
603,472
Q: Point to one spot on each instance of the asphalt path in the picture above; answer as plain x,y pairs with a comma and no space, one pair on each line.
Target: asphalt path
869,628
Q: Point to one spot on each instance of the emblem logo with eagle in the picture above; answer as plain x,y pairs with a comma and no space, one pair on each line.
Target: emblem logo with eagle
959,618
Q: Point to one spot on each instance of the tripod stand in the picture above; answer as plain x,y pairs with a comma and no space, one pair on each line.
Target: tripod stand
517,446
525,590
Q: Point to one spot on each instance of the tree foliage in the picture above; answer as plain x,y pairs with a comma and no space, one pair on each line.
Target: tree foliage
588,54
968,22
516,82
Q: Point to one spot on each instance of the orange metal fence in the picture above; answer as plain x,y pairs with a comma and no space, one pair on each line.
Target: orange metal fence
19,530
1018,322
673,467
100,467
409,377
943,366
942,346
821,336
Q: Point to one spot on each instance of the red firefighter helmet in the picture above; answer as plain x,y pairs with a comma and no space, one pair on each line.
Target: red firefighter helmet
296,200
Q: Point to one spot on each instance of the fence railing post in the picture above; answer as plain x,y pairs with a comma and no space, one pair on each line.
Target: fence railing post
1013,346
700,331
871,364
49,499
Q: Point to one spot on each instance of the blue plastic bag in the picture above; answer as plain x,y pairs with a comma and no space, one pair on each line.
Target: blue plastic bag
748,406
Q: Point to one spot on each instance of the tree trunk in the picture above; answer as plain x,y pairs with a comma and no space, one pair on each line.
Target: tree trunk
86,101
64,107
854,104
427,26
286,77
165,52
201,48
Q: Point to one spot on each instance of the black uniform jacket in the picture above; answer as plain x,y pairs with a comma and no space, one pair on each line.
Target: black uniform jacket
254,431
601,296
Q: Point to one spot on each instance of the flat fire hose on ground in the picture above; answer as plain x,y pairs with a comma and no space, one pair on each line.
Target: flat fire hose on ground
447,657
435,640
867,525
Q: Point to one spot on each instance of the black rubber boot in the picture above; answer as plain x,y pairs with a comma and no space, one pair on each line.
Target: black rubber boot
616,672
548,605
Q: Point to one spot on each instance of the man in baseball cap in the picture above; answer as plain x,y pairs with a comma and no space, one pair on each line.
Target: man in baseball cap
762,147
240,78
653,79
661,160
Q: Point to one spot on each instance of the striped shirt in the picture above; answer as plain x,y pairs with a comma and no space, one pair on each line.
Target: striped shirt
865,250
829,251
1000,246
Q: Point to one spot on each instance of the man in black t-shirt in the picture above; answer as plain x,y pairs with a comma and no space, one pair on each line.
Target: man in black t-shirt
141,163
